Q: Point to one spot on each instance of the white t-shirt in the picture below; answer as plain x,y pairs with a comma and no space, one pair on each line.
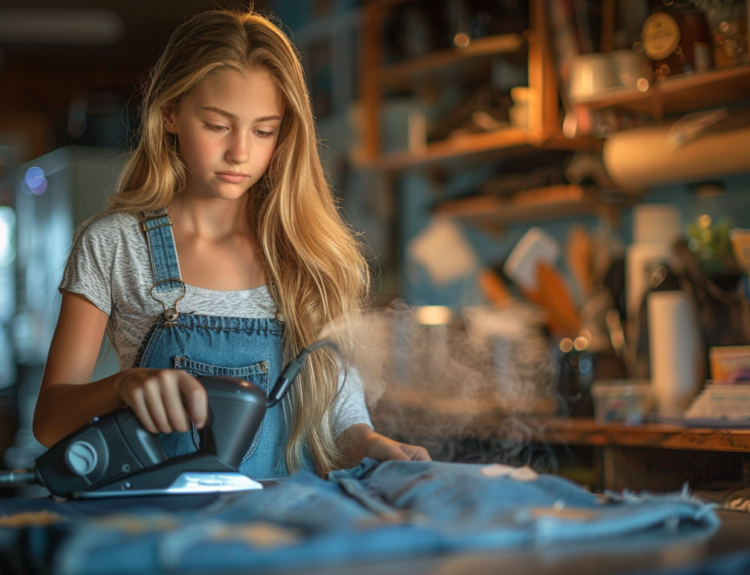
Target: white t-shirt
110,266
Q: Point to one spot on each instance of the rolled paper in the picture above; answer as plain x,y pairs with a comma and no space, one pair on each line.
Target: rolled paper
643,157
675,351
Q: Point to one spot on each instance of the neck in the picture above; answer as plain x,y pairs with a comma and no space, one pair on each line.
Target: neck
210,218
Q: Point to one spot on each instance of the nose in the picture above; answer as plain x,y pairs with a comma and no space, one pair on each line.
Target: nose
239,149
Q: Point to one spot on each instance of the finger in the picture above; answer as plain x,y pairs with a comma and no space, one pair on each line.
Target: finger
416,453
423,455
152,395
396,452
138,404
195,398
170,396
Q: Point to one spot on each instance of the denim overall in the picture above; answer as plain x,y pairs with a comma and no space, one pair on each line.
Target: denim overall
247,348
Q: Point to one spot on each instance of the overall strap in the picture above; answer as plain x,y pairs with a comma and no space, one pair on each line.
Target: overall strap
168,288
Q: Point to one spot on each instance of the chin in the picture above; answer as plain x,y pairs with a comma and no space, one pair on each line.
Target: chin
231,194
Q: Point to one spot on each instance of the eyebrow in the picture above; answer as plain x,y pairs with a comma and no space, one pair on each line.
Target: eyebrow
235,118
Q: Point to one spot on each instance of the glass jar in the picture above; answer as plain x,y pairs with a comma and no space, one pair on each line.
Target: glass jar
676,38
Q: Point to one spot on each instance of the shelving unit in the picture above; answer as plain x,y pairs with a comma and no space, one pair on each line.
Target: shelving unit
681,94
453,65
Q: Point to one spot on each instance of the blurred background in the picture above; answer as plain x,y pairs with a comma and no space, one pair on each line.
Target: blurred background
552,194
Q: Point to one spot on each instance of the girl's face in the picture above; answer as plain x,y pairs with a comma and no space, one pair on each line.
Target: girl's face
227,127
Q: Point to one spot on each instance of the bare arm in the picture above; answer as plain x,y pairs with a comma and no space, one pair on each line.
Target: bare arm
68,399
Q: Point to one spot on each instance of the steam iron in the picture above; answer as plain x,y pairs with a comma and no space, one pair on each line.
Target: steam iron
115,456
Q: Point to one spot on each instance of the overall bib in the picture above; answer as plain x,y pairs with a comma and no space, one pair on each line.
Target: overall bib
247,348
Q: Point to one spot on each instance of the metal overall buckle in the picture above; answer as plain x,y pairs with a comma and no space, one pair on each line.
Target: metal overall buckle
147,219
171,314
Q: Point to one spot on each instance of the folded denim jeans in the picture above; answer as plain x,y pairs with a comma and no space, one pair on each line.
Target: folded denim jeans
376,510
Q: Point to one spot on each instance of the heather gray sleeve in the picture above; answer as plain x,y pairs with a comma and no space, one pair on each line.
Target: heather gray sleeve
89,268
349,408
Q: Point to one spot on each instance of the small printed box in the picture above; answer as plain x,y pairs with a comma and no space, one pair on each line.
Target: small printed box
730,402
730,363
621,400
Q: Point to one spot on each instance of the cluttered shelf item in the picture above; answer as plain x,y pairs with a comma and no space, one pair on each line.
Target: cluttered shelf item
679,94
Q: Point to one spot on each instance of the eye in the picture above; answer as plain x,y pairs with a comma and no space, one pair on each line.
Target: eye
264,134
217,127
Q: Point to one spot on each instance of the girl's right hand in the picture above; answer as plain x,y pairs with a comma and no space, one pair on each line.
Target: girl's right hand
164,400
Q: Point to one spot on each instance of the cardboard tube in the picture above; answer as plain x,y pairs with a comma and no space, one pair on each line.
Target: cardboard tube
644,156
675,351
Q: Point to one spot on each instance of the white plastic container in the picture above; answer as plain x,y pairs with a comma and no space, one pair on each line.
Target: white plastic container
621,400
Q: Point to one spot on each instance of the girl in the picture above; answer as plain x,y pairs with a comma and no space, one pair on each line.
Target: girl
223,253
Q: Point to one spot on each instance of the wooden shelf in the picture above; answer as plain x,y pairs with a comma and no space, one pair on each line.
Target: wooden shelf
502,211
681,94
452,65
456,150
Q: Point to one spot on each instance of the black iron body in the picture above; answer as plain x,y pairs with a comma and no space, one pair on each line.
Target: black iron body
115,453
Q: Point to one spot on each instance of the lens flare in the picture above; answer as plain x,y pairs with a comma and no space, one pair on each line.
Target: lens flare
34,176
35,180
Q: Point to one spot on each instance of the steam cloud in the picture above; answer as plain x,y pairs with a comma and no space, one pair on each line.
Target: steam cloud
463,388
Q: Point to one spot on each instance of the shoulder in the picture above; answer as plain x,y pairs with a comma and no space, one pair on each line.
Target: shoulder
110,231
111,224
101,248
107,235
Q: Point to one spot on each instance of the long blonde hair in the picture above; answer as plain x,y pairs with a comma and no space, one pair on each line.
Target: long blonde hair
316,270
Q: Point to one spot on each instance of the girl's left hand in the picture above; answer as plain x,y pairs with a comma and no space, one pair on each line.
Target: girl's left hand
381,448
360,441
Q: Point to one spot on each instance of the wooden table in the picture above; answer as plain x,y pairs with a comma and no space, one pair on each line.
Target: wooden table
657,457
585,431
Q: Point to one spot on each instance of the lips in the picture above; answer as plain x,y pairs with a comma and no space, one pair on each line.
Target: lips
233,177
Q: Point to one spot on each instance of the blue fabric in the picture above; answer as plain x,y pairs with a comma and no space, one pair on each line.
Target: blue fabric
477,507
168,288
250,349
394,510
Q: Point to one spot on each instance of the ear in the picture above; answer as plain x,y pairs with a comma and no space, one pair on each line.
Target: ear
170,119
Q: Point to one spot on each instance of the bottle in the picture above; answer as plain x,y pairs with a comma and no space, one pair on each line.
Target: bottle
675,37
